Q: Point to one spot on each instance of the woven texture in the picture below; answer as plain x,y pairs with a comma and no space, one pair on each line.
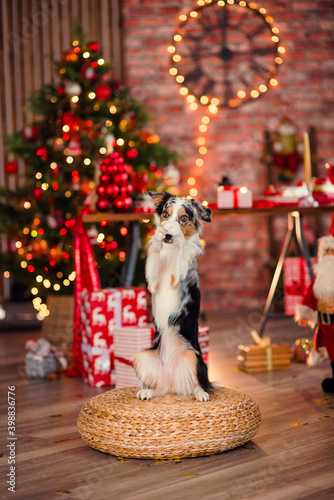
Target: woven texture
116,422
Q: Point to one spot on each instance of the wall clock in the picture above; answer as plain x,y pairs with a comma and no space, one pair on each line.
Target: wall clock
225,53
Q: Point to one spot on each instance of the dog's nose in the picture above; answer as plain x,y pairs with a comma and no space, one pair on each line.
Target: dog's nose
168,238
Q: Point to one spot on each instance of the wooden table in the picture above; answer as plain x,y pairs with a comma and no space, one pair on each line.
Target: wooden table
294,232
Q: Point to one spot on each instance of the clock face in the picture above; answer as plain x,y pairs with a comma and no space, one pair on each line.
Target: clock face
226,53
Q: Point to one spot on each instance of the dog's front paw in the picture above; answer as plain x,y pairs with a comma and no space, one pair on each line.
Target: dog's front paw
171,227
146,394
201,395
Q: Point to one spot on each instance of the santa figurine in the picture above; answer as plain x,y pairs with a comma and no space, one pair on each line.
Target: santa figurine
317,307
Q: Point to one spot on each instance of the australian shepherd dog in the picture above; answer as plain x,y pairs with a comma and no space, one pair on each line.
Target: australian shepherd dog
174,363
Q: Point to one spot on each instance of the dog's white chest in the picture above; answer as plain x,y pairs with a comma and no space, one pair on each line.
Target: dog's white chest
166,300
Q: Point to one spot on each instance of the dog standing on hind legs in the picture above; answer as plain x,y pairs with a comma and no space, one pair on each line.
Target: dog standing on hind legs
174,363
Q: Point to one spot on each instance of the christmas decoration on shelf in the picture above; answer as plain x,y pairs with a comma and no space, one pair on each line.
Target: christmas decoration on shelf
223,55
287,150
317,309
78,124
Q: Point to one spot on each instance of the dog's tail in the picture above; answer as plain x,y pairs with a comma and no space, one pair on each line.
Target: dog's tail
202,376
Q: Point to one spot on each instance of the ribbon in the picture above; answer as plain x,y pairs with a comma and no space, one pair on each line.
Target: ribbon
265,343
86,278
123,360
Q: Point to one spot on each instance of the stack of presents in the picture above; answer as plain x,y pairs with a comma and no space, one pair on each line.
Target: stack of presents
114,328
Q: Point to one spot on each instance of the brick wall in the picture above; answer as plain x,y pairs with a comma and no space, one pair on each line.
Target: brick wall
234,271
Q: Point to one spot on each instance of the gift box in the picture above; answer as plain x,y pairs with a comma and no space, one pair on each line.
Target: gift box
255,358
203,340
98,365
234,197
128,341
296,280
43,359
100,313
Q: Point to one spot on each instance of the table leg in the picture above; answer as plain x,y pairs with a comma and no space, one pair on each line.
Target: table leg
295,230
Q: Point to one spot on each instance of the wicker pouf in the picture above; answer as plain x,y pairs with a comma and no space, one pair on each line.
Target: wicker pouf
116,422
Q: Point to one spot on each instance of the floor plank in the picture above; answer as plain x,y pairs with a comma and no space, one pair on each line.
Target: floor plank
283,461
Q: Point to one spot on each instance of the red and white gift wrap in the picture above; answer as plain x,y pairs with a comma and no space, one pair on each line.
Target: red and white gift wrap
296,282
100,313
128,341
234,197
203,340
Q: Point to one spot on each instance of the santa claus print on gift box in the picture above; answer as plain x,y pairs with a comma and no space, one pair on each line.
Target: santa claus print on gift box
317,307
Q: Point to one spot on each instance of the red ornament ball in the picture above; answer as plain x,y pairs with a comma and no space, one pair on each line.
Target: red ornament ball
11,167
104,178
102,205
121,179
100,189
93,46
112,191
37,194
132,153
127,190
103,91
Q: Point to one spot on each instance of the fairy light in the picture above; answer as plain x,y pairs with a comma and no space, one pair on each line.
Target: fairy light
179,79
24,264
191,181
39,278
45,186
171,49
85,55
39,175
263,88
120,142
273,82
193,192
87,161
184,91
91,95
69,159
183,17
173,71
281,50
202,150
112,110
56,287
75,98
199,162
203,128
204,99
100,62
241,94
102,150
18,244
176,58
34,291
66,282
193,106
6,274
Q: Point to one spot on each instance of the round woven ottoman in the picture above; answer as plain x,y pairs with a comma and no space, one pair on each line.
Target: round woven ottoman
116,422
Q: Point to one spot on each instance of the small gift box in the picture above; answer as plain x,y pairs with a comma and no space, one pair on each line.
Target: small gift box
43,359
234,197
296,282
264,356
128,341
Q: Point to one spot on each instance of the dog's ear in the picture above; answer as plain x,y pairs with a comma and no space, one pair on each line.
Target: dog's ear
203,212
159,199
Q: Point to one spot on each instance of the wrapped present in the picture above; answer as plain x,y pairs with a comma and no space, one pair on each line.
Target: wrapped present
97,362
128,341
134,306
43,359
302,349
203,340
264,356
101,313
234,197
296,282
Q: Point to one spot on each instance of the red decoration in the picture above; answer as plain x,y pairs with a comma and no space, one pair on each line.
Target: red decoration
103,91
94,46
11,167
114,188
37,194
42,152
132,153
60,90
88,72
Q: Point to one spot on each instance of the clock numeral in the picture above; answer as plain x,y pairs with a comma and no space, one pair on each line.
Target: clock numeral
262,51
261,70
257,31
193,75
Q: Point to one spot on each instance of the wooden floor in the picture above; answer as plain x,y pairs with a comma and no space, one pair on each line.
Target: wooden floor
291,457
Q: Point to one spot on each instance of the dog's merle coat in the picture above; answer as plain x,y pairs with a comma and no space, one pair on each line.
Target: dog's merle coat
174,363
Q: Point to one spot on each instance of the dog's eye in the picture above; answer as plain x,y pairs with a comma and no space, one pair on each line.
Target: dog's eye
184,218
165,215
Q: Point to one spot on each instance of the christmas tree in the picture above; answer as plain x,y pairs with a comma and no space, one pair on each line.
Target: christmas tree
78,123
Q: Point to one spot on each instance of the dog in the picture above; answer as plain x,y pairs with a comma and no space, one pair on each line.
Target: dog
174,363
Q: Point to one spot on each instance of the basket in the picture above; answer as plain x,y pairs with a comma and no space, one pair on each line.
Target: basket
171,426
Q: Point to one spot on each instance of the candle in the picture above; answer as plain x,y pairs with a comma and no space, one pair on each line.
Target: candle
307,159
